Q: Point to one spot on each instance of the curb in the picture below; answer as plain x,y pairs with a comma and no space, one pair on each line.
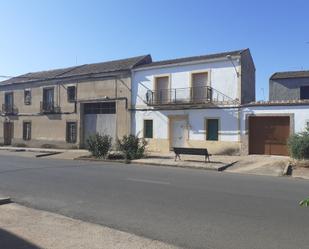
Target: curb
288,170
5,200
177,166
48,154
38,150
222,168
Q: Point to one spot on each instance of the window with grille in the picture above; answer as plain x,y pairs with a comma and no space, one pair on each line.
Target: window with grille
148,128
71,91
71,132
26,130
27,97
100,108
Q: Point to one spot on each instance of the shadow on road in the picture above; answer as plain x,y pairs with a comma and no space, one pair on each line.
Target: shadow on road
11,241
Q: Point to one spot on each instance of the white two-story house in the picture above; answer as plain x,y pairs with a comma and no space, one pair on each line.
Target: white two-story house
193,101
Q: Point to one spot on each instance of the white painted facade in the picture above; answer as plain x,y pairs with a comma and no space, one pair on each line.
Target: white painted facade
221,76
232,120
228,123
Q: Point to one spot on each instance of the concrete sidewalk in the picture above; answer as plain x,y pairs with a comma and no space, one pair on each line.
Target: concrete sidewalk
217,162
260,165
251,164
12,148
34,152
22,227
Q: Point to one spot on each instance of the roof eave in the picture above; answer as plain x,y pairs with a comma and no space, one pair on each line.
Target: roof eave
223,58
73,77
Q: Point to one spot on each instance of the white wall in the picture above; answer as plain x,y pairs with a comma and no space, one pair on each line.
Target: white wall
228,120
228,123
301,114
222,77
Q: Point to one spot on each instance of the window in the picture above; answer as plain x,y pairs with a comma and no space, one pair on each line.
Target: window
27,130
27,97
212,129
71,132
148,129
100,108
71,91
304,92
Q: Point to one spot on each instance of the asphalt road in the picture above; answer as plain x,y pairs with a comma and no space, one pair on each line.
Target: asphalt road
187,208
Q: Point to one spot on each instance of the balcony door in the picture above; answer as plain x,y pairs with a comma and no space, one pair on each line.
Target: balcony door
199,87
48,98
8,101
162,95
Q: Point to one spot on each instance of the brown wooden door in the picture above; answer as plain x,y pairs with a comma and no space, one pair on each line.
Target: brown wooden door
199,90
162,95
8,128
269,135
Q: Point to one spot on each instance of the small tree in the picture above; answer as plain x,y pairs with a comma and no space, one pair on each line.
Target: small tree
299,145
132,147
99,145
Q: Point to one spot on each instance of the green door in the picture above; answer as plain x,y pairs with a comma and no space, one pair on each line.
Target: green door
212,132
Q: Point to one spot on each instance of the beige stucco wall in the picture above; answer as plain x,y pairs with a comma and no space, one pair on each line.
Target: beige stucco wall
51,128
46,129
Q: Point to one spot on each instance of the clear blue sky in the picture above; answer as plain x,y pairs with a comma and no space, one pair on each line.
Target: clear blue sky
40,35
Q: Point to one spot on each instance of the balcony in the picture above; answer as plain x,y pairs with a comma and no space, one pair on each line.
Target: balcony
189,95
9,109
49,108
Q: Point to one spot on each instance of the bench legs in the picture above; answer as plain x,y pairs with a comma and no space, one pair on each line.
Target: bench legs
207,159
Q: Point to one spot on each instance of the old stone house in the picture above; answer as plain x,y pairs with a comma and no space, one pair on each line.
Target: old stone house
62,107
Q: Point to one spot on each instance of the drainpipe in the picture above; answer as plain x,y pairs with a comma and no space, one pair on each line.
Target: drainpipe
116,95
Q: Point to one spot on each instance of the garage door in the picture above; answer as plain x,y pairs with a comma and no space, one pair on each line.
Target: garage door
268,135
100,118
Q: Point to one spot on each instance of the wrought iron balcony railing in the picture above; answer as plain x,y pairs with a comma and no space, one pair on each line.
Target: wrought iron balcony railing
189,95
9,109
49,107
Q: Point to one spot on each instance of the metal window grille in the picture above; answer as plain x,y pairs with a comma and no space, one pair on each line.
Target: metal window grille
71,132
27,130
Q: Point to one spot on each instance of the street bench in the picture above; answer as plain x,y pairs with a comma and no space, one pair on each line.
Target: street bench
191,151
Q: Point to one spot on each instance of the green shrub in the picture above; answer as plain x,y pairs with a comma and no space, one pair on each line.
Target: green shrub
99,145
132,147
299,145
115,156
